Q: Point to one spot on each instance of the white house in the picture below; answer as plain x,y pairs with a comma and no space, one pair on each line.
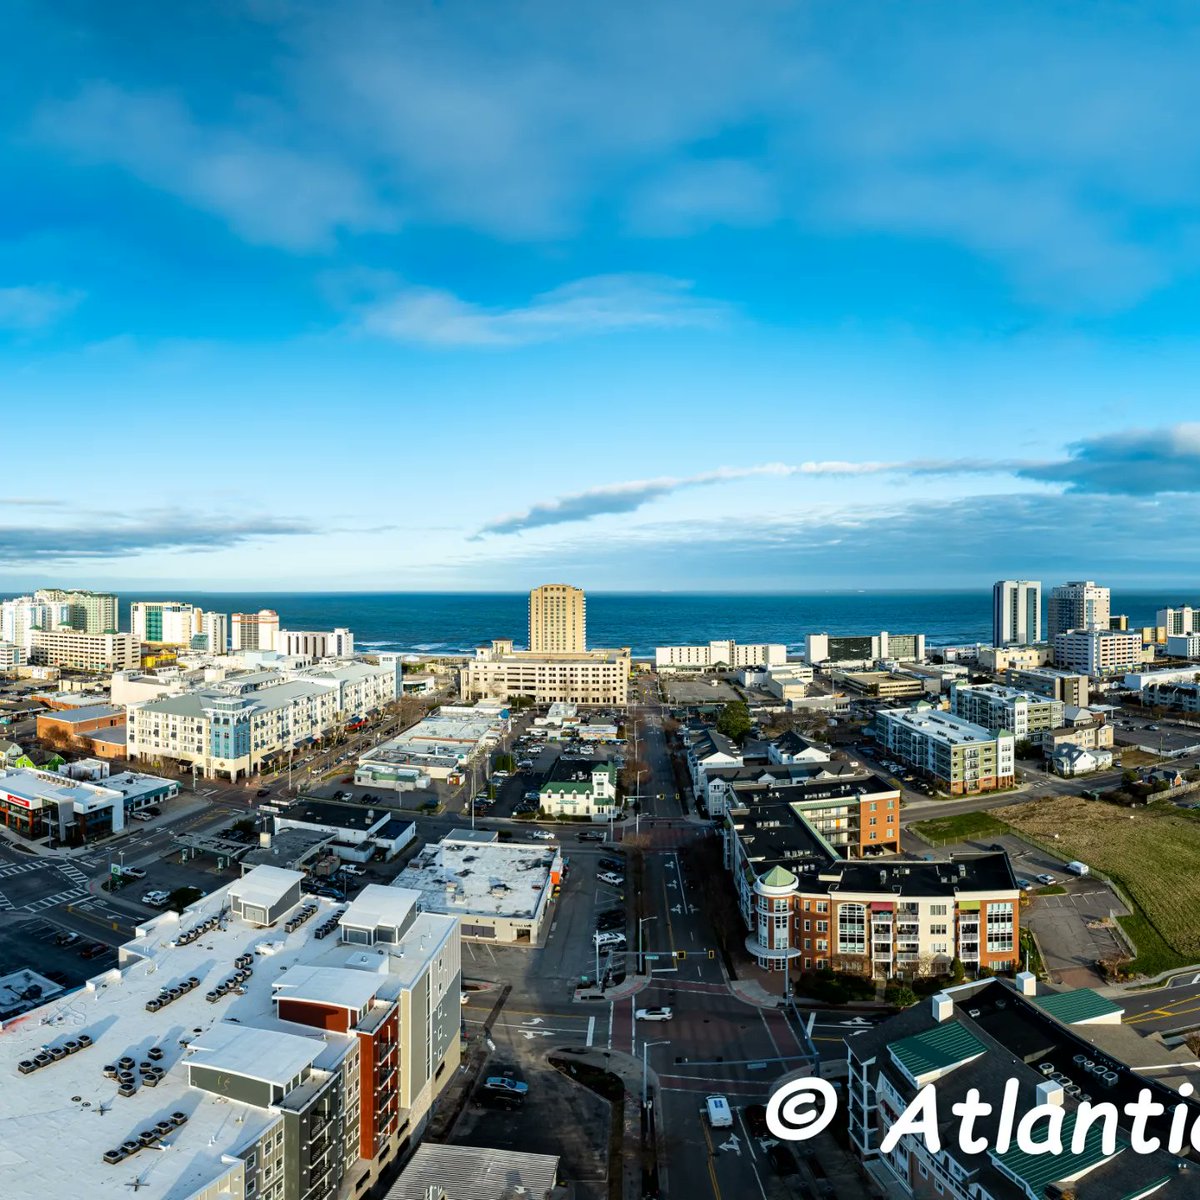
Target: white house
580,789
1078,760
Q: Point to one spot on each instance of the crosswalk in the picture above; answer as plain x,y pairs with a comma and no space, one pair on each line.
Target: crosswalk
6,905
58,898
20,868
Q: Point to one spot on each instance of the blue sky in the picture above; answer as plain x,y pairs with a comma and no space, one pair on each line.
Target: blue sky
697,295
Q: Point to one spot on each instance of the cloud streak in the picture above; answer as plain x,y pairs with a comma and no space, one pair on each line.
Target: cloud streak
630,496
596,305
1136,462
30,307
174,532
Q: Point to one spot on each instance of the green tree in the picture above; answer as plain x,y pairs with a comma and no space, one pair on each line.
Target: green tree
504,762
958,972
900,996
734,721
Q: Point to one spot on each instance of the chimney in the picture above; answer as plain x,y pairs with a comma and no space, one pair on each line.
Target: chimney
943,1007
1049,1092
1026,983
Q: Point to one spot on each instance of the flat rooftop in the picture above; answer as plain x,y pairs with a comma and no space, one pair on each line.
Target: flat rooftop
88,712
61,1101
941,725
343,816
499,879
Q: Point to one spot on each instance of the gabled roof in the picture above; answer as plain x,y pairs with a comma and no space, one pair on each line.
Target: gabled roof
946,1045
1082,1004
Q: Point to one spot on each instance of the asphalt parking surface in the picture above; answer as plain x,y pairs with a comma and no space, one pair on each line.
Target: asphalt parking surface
1074,931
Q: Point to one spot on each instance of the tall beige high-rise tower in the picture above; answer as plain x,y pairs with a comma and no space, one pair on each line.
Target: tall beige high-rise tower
557,619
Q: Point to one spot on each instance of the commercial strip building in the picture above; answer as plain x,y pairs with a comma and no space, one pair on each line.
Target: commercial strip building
989,1038
1023,714
359,832
500,891
809,909
955,754
900,647
1068,686
436,747
1016,612
1099,652
235,727
307,1065
557,619
44,806
498,672
724,653
1078,604
84,651
580,789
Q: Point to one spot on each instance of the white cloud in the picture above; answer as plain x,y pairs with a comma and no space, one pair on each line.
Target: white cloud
599,304
268,192
35,306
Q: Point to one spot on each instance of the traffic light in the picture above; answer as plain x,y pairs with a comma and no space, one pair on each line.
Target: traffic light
712,954
680,955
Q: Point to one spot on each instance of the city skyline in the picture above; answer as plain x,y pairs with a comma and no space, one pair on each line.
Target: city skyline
938,322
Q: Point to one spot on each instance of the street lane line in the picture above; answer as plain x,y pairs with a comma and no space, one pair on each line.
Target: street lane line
753,1156
591,1029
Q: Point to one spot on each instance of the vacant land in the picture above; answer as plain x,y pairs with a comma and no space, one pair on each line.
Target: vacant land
1154,854
962,828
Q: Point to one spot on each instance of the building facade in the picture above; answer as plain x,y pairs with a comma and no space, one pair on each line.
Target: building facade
254,631
1071,688
1016,612
335,643
85,651
902,647
724,653
1183,645
1023,714
499,672
1178,621
213,635
86,612
580,789
557,619
1098,652
164,622
1078,604
955,754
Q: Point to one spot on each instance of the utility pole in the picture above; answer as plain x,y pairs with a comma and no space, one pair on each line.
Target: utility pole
646,1069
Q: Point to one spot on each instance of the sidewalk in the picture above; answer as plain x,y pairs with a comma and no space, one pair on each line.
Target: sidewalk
591,995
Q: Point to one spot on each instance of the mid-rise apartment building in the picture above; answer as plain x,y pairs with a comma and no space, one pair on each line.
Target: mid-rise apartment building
498,672
234,728
1016,612
254,631
720,653
86,612
164,622
956,755
261,1045
1068,686
557,619
901,647
1178,621
1078,604
998,1046
11,656
213,634
1098,652
335,643
806,908
1023,714
85,651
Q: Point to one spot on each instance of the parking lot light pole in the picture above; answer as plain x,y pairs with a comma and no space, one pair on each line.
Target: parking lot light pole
646,1068
642,921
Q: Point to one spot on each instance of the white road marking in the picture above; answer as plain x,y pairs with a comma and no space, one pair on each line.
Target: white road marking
591,1029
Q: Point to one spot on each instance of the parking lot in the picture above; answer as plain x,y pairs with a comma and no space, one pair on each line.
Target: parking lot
684,690
29,943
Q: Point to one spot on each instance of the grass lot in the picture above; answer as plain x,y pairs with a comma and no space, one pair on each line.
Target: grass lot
1131,757
1153,854
962,828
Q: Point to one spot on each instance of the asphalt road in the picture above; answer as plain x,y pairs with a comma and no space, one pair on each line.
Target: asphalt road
1173,1008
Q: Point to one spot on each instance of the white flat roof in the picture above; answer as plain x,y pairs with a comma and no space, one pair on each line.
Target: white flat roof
265,1054
493,879
326,985
377,904
265,885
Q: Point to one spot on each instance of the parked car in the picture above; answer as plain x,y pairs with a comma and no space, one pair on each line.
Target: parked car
611,864
1046,878
533,795
611,937
662,1013
133,872
93,950
67,938
155,899
591,835
353,869
502,1083
611,878
1024,884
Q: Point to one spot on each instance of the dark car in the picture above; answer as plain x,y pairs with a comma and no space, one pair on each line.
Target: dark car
93,950
612,864
591,835
67,939
756,1120
263,792
610,920
152,810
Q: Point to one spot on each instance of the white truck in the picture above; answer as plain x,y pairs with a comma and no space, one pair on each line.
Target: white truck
1077,868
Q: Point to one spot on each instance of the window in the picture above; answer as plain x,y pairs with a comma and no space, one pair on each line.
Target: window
852,929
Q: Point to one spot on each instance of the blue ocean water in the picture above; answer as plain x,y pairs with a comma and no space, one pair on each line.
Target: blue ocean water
457,622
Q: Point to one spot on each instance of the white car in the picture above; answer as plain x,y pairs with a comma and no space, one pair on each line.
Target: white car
133,872
611,878
155,899
543,835
654,1014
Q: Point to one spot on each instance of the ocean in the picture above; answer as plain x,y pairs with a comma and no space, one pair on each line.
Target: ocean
457,622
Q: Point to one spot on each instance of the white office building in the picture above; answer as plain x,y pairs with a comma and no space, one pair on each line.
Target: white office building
720,653
1078,604
213,635
1016,612
306,643
1098,652
1178,621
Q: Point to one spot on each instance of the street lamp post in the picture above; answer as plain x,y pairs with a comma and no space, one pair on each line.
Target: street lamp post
642,921
646,1069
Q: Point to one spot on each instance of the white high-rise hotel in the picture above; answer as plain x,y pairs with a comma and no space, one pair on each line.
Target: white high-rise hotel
557,619
1077,604
1016,612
